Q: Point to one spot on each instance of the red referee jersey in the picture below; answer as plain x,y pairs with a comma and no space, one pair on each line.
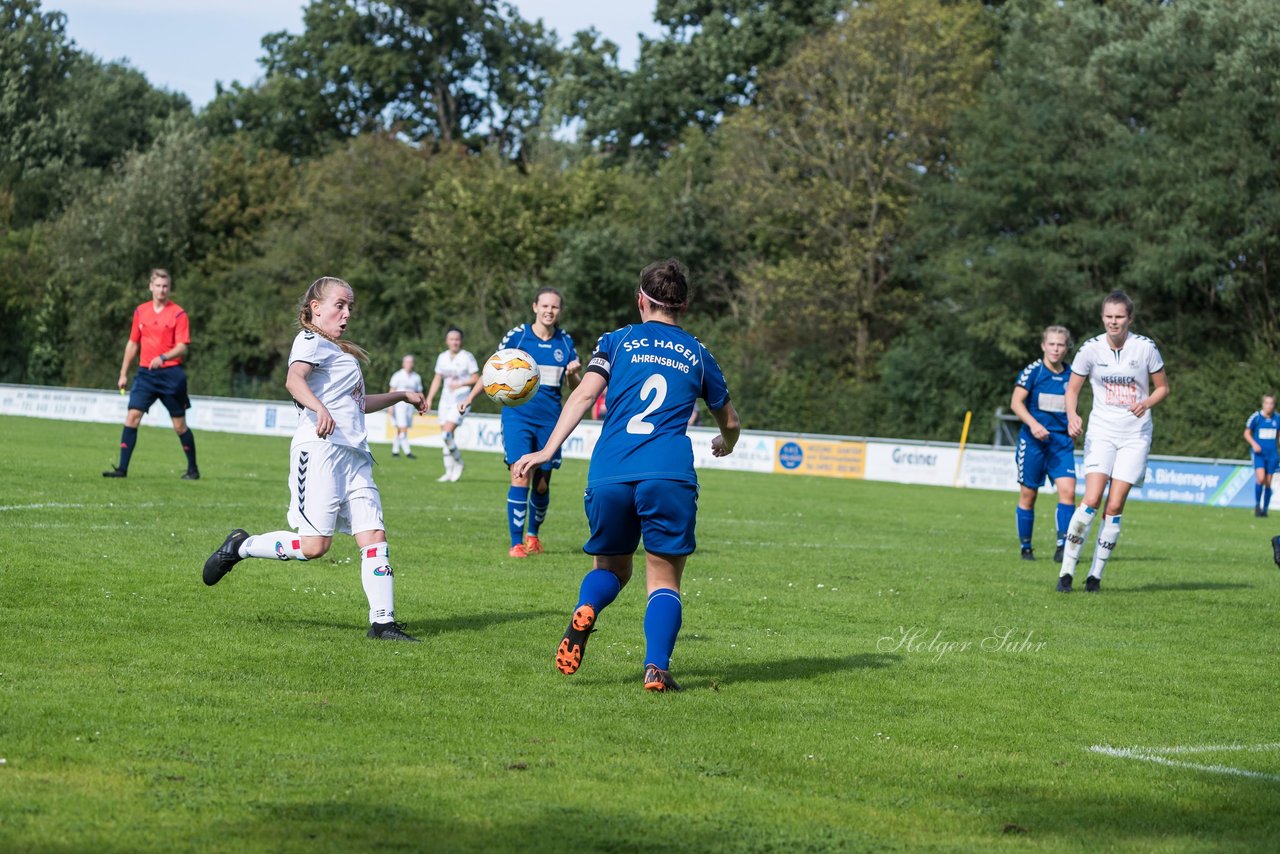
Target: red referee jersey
157,332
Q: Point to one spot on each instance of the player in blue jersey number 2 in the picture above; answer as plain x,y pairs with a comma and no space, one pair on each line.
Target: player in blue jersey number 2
1044,448
641,483
1260,431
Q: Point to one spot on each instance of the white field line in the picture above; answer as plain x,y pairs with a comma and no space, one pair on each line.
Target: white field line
5,507
1153,755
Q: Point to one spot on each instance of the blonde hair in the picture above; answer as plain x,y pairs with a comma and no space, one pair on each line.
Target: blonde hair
317,292
159,273
1055,330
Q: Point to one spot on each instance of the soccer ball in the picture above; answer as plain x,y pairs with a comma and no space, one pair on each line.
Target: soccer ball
510,377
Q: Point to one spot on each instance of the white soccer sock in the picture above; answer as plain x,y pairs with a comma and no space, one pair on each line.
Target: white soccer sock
451,447
1107,536
379,583
281,545
447,459
1077,530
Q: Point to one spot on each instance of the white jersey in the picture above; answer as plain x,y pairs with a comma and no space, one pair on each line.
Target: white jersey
335,378
403,380
1119,378
454,368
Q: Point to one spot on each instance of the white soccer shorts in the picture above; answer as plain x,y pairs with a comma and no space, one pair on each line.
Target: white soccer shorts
331,489
1120,458
402,415
449,412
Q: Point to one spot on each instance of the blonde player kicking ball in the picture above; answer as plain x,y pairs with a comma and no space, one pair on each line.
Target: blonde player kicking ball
641,483
331,471
1127,376
456,373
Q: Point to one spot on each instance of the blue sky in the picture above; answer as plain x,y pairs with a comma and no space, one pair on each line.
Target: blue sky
187,45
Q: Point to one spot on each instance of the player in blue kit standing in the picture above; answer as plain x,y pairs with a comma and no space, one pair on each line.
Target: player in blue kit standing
1260,432
1044,447
527,428
641,483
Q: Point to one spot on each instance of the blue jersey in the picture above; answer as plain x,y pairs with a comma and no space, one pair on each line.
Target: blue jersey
1264,431
1046,395
655,373
552,356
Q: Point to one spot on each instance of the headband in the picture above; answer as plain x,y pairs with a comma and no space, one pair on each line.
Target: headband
654,301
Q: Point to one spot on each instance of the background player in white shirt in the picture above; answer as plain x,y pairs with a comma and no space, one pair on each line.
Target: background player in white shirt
456,373
1127,376
405,379
331,473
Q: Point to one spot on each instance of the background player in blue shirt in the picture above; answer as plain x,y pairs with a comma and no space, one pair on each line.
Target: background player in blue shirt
641,483
527,428
1260,432
1044,447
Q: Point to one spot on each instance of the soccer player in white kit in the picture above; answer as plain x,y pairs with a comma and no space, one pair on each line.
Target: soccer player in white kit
1127,376
331,473
405,379
456,373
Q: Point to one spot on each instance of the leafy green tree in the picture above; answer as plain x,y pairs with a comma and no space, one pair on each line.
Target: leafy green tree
468,72
708,60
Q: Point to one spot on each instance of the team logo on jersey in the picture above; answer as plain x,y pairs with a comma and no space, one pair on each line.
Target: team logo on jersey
559,354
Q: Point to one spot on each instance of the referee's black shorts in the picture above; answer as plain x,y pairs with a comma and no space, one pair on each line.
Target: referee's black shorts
168,385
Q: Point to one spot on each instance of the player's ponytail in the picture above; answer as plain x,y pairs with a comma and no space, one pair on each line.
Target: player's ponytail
317,292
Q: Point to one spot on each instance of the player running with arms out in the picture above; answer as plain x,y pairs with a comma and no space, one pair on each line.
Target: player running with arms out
158,338
1044,447
641,482
526,428
331,469
456,373
1128,379
1260,432
405,379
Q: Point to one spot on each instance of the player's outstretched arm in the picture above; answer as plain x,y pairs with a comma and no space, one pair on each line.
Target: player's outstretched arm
730,428
576,407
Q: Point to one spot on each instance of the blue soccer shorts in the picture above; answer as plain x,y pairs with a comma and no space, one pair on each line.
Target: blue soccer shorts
521,437
1053,457
168,385
663,512
1267,462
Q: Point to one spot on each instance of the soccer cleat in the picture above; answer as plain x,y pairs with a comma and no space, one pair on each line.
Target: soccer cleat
408,455
390,632
192,474
456,474
658,680
517,551
574,644
1092,585
1257,511
1057,554
1275,549
116,472
444,478
1064,583
532,545
1027,553
227,556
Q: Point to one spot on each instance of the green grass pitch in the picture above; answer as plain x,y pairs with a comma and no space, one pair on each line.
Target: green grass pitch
142,711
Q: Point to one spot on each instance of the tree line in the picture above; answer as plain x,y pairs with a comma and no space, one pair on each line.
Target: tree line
880,203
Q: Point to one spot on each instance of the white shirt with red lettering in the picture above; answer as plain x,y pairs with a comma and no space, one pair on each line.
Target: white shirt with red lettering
1119,378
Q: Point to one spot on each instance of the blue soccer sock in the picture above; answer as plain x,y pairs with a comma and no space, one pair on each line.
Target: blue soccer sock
1026,523
128,439
1266,498
1257,494
662,618
538,503
189,448
1064,519
599,588
517,510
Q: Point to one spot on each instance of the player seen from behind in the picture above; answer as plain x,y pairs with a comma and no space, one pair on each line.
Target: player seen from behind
1044,447
1128,379
331,469
641,483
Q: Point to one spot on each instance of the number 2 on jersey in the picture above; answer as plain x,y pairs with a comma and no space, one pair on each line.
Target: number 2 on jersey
657,385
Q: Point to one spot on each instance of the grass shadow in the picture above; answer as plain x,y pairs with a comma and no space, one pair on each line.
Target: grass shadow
1179,586
439,625
785,670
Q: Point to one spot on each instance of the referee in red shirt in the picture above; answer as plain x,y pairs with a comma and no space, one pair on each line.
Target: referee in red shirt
161,333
